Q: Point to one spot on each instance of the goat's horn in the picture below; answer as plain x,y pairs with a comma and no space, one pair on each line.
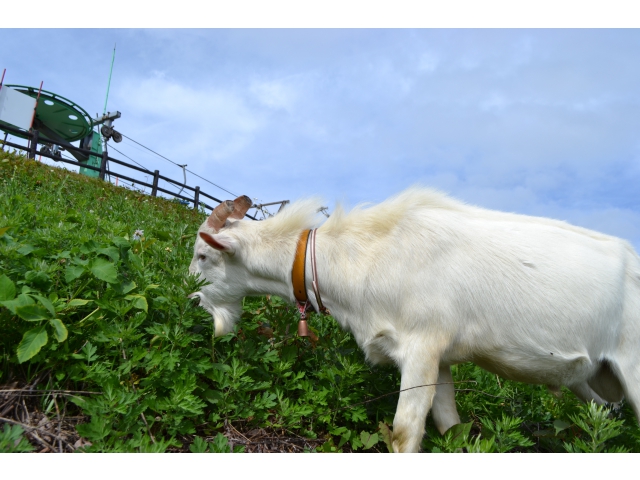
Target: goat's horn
241,206
220,214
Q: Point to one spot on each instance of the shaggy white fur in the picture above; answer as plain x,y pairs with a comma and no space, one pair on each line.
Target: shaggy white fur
425,281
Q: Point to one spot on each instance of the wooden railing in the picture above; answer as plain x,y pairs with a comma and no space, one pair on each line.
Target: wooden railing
32,151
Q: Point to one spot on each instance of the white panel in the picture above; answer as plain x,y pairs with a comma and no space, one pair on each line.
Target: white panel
16,108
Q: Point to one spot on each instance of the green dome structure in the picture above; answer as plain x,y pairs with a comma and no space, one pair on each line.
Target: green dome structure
60,120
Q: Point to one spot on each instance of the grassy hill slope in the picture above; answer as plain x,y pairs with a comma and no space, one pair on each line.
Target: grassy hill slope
102,350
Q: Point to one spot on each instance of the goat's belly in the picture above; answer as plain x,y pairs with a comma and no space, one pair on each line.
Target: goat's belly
552,368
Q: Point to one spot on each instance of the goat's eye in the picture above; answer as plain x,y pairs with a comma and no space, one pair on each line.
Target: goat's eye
201,257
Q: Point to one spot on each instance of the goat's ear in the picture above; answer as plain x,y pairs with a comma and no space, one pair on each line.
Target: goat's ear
222,243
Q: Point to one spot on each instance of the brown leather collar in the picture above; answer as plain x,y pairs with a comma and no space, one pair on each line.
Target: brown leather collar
298,279
298,269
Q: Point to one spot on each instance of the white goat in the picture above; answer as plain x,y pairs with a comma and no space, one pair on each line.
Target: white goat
426,282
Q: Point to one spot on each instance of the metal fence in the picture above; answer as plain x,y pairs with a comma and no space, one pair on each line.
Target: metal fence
32,151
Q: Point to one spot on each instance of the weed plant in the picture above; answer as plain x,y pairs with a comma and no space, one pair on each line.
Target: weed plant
93,298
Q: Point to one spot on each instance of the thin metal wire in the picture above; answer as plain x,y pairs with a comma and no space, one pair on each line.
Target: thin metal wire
140,165
177,165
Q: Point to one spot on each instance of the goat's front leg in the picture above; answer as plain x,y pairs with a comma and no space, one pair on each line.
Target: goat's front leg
444,411
414,403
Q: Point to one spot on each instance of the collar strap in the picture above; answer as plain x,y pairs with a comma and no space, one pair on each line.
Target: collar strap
314,273
298,279
298,269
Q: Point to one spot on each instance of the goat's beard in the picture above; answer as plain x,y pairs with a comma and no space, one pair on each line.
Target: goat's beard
224,316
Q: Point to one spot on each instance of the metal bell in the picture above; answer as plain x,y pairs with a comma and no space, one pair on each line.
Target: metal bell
303,329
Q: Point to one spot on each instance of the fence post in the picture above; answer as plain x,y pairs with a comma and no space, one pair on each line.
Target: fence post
34,145
103,163
196,199
154,188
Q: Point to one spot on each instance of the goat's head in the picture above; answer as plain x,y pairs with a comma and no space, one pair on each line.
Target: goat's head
215,260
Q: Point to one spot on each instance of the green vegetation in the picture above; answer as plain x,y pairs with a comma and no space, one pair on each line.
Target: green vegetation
86,305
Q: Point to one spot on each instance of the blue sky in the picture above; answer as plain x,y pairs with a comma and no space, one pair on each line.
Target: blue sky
535,121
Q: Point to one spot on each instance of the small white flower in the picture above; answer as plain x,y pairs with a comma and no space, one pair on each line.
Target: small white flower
138,234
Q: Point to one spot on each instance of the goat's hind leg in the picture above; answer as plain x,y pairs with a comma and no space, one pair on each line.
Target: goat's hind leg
584,392
628,372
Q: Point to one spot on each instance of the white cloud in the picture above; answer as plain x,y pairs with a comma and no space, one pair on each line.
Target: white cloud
428,62
494,102
214,120
274,94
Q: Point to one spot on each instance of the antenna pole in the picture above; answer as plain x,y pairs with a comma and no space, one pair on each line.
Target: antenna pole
6,134
37,100
109,84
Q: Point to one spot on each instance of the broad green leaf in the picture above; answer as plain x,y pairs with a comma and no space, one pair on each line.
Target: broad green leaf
78,302
121,242
135,260
59,330
7,288
124,287
32,341
150,287
47,304
80,261
73,272
26,250
21,300
128,285
139,302
560,425
38,279
104,270
33,313
368,439
89,246
111,252
340,431
4,230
